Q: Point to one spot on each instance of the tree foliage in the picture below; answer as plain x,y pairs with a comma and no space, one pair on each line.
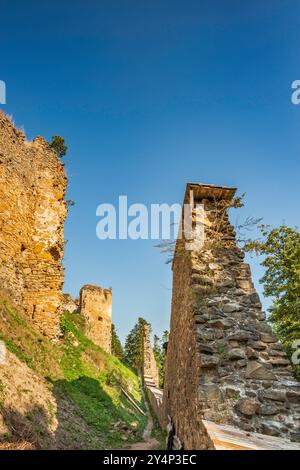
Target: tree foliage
59,146
134,345
116,346
280,248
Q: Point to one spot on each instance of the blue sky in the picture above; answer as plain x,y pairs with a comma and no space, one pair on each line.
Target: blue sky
150,95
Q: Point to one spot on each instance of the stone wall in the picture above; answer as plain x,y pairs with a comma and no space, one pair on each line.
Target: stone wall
155,397
182,371
69,304
224,364
150,370
32,214
96,307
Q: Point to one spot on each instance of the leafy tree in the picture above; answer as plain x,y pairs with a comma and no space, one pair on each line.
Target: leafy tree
165,338
116,346
58,144
134,345
70,203
281,250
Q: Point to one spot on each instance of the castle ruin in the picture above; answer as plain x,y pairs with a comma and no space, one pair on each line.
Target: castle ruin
150,370
96,307
224,364
32,214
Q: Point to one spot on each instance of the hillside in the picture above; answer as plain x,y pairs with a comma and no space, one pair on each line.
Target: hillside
63,395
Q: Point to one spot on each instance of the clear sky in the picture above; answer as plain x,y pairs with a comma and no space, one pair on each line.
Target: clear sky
149,95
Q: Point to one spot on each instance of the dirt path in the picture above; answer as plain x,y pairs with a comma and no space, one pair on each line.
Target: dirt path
149,443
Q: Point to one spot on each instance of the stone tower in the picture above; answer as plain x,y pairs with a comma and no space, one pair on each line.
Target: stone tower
150,370
224,364
32,214
96,307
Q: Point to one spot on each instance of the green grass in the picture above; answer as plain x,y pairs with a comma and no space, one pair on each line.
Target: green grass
94,379
79,371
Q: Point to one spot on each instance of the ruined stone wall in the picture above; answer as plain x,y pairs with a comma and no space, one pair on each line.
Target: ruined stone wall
96,307
150,370
32,214
69,304
224,364
182,371
155,397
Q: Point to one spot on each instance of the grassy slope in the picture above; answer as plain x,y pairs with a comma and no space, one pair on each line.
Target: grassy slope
84,381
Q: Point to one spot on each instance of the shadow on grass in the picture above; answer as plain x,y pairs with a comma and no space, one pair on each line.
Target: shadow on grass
85,417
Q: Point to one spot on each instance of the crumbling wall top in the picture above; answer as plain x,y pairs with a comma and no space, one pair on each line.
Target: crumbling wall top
208,191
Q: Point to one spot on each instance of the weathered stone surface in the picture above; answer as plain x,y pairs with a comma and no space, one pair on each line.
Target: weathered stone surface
267,338
202,279
231,392
245,284
251,353
277,395
206,348
96,307
220,323
32,214
209,361
257,345
200,290
205,335
236,353
248,406
241,363
265,328
255,299
150,370
268,410
256,370
201,318
276,352
240,336
272,428
293,396
210,392
279,361
232,307
68,304
234,349
261,316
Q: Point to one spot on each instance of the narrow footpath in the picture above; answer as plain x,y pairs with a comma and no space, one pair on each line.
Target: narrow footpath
148,443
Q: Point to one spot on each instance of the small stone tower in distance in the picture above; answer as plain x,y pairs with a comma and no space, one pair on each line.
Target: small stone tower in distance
96,307
150,370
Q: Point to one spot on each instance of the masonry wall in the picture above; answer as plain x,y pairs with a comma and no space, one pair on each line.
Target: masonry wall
155,397
96,307
150,370
182,371
224,364
32,214
69,304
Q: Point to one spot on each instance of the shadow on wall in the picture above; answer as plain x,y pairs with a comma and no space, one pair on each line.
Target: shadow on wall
85,418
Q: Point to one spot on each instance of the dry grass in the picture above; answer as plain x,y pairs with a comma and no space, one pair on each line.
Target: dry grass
16,446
